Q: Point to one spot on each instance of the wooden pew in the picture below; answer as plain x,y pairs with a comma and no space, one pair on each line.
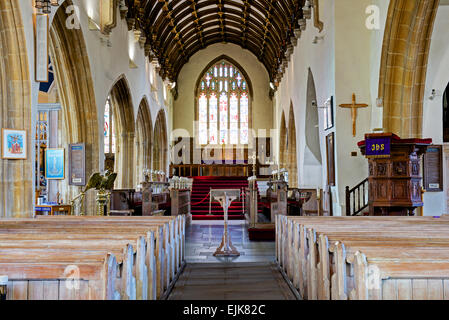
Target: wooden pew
105,233
179,225
310,270
319,250
139,272
175,234
47,281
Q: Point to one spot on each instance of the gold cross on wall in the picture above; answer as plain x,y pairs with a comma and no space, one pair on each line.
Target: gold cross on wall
353,106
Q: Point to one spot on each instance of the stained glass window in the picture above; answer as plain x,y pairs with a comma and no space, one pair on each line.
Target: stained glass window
213,119
223,106
244,126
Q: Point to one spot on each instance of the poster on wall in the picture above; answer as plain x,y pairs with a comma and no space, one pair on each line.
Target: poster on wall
41,23
14,144
54,164
77,164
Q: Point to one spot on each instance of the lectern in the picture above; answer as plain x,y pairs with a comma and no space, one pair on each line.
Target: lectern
225,197
394,173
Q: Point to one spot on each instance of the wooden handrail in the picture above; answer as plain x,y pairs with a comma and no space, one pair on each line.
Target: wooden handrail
361,190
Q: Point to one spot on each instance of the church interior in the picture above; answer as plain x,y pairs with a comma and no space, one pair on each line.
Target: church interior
224,150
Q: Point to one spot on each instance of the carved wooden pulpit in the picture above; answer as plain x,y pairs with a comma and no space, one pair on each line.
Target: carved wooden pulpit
394,173
225,197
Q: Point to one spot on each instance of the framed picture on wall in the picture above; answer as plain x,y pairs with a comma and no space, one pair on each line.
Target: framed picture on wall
14,144
329,114
54,164
330,152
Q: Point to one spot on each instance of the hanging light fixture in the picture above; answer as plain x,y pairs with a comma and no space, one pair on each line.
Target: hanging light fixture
45,5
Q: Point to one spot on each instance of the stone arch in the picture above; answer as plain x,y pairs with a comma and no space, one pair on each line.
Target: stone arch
16,176
312,128
144,135
123,117
403,68
79,110
292,159
160,143
283,142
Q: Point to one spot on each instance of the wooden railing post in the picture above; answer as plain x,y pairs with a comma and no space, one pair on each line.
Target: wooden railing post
348,202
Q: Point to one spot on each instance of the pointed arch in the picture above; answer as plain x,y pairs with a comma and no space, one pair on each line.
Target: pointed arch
312,127
79,110
405,53
233,62
16,177
292,159
144,139
160,142
283,142
123,115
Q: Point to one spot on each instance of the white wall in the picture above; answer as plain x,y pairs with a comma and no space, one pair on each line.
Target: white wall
347,61
107,63
293,87
438,79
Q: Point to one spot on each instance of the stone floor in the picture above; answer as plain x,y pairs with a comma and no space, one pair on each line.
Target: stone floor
203,238
231,281
252,276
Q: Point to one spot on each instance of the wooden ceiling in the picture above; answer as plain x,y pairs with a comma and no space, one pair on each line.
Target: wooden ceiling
174,30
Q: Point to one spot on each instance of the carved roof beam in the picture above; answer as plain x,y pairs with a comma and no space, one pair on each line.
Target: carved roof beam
196,19
245,17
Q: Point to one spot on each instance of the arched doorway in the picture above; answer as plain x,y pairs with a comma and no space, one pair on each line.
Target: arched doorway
292,161
144,134
16,176
312,124
78,120
160,145
124,131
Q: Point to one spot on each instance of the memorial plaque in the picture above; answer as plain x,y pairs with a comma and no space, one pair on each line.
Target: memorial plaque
77,164
41,28
433,169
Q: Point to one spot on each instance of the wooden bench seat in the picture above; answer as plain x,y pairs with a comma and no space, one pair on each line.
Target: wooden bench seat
48,281
139,273
153,264
51,243
176,230
331,257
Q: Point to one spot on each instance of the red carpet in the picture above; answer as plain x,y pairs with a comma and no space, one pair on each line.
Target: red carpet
200,198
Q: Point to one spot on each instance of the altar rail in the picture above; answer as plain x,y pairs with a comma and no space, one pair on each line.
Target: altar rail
216,170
